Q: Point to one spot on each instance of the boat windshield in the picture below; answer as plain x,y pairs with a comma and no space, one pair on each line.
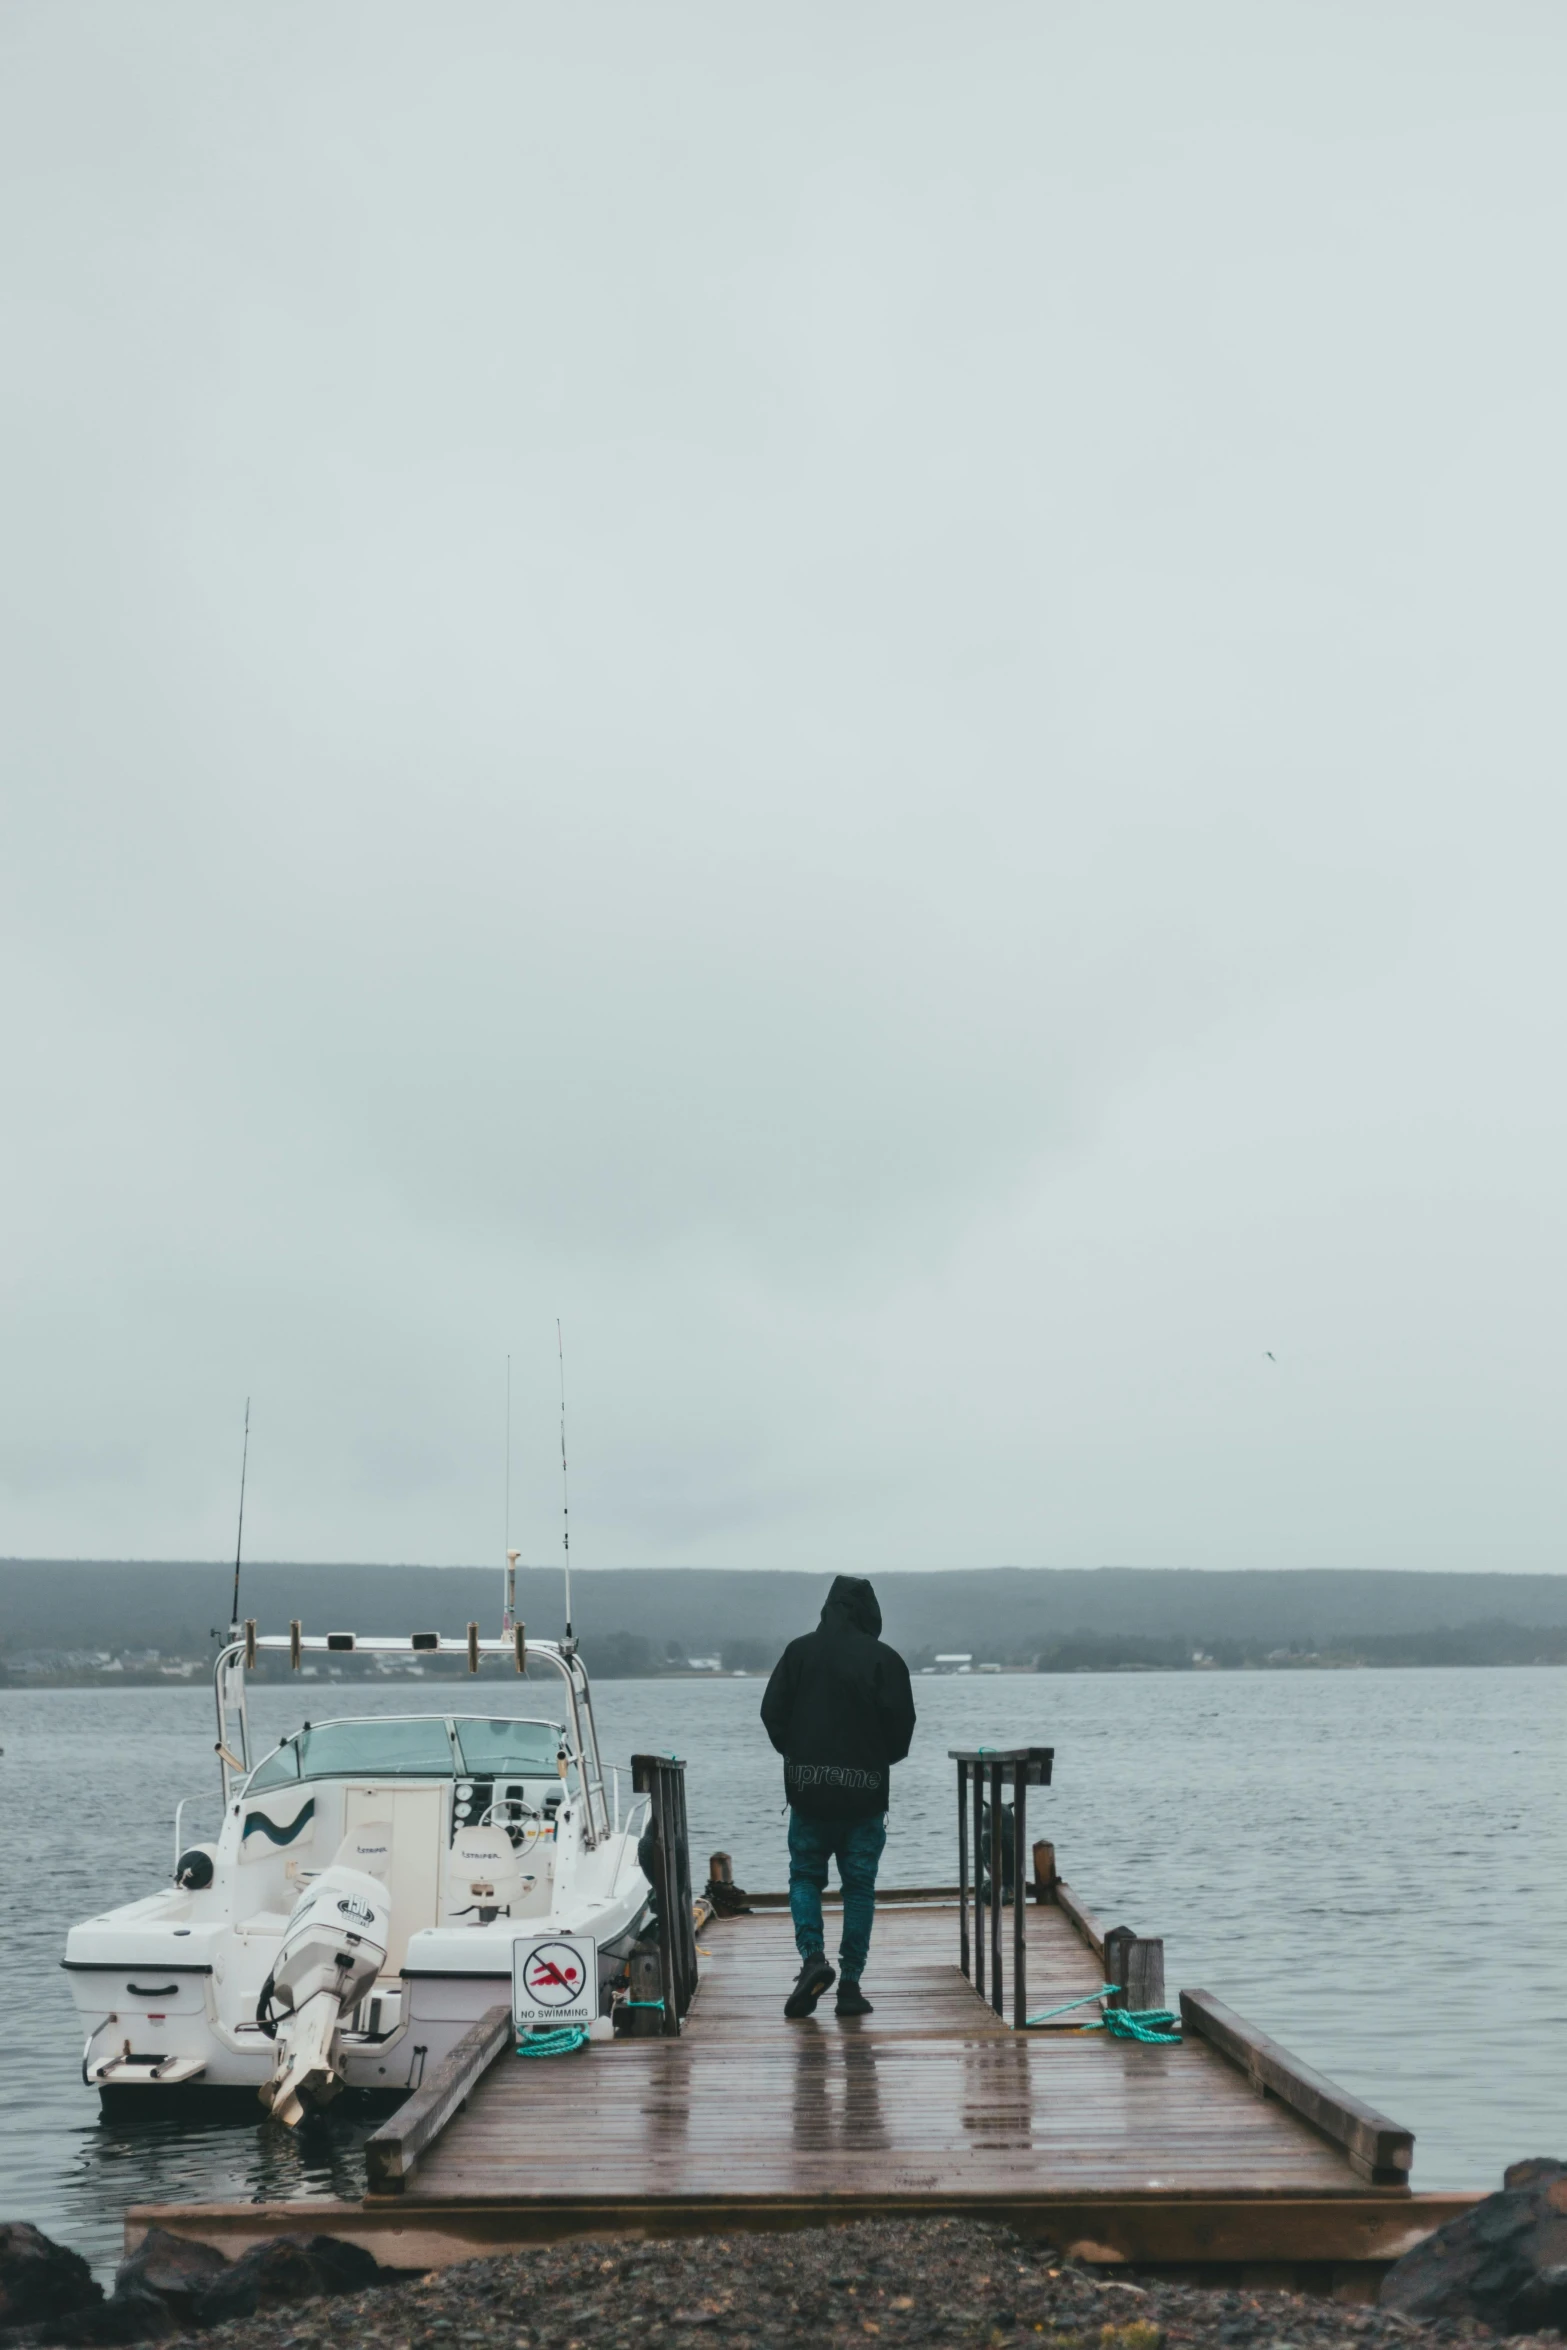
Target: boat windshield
497,1749
416,1747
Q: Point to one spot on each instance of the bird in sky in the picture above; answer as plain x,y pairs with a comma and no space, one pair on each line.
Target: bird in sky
1268,1351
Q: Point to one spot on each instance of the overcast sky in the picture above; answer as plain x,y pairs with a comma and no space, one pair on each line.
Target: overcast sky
870,697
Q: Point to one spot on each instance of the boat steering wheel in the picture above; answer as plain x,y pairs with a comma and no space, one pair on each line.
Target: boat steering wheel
523,1823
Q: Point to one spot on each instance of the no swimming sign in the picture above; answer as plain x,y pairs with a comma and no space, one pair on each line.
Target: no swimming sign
555,1981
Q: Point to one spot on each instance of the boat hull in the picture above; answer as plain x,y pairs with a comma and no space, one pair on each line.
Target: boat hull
161,2033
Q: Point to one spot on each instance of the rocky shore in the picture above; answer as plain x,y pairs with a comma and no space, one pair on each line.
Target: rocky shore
910,2281
1496,2271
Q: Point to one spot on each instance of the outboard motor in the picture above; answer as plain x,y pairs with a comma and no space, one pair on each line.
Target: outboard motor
333,1948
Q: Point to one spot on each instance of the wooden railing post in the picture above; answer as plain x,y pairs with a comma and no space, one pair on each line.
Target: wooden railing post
1144,1968
997,1886
1019,1912
963,1947
979,1879
685,1892
1115,1947
645,2022
662,1777
1134,1966
668,1900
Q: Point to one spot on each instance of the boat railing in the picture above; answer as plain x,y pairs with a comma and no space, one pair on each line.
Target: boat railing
180,1810
639,1807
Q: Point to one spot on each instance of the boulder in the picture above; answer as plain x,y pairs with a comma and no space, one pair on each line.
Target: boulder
1530,2173
282,2270
176,2268
39,2279
155,2291
135,2315
1504,2262
167,2286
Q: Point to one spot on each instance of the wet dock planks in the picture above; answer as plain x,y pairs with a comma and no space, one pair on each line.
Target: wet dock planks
932,2094
1166,2158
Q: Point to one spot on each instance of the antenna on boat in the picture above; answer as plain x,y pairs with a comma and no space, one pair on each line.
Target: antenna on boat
509,1609
565,1495
239,1539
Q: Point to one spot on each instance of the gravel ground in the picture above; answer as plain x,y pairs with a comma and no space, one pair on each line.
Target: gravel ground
930,2281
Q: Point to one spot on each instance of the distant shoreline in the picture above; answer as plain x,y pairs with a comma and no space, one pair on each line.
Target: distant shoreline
62,1623
199,1677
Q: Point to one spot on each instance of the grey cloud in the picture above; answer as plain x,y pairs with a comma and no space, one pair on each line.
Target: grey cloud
868,700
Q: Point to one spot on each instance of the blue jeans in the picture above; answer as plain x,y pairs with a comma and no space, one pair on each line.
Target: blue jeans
856,1845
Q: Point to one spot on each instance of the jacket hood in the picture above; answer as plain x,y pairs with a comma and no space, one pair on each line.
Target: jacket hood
852,1602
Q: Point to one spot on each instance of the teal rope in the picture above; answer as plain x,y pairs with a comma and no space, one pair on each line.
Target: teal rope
642,2003
1140,2023
1146,2024
1067,2005
563,2042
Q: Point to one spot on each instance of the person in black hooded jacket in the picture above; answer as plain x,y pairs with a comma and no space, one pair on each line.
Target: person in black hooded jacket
840,1711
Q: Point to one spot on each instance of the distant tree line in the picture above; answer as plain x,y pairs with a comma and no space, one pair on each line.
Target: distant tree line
631,1656
1495,1643
60,1619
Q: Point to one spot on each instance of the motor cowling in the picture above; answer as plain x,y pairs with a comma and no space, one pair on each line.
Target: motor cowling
336,1939
333,1948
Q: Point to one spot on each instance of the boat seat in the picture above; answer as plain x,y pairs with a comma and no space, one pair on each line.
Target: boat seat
367,1846
482,1873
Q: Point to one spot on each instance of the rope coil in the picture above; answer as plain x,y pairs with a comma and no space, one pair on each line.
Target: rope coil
1140,2023
1150,2025
565,2040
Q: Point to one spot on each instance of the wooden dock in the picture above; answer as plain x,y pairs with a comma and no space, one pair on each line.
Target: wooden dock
1220,2156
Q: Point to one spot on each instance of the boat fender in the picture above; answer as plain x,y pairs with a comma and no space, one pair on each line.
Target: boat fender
193,1869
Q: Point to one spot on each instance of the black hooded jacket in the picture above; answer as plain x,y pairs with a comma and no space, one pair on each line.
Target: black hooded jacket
840,1710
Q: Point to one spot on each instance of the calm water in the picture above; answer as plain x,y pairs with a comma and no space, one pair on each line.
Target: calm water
1372,1866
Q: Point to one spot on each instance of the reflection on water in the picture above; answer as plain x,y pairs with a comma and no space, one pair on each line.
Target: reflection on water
235,2158
1354,1860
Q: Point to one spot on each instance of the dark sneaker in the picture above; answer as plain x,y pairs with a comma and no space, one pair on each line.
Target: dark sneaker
816,1976
851,2000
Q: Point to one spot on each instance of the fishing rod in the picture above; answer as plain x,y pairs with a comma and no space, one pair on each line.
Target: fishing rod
565,1496
239,1539
509,1610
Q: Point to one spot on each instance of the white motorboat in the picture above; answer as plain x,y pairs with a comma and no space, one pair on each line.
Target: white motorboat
362,1903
